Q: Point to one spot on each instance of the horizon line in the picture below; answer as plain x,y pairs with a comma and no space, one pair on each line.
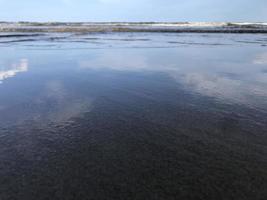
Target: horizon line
26,21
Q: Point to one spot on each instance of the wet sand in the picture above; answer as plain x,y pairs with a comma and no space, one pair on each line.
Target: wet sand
133,116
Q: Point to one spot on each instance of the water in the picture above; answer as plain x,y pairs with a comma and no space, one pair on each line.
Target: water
133,116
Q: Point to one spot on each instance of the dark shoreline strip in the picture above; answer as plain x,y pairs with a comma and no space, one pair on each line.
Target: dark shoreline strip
120,29
18,35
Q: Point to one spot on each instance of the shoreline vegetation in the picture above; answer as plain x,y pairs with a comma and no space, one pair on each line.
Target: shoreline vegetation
174,27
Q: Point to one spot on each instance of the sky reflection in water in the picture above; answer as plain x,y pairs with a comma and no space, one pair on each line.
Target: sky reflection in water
145,117
56,85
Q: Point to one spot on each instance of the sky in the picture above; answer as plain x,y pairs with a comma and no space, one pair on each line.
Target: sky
134,10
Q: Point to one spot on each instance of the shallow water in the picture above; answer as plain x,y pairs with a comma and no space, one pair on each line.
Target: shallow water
133,116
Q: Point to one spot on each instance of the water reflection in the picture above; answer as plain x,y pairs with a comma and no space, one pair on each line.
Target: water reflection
117,61
62,103
13,69
225,88
239,81
116,123
62,88
261,59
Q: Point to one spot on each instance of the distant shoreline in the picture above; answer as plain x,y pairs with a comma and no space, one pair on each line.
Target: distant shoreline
164,27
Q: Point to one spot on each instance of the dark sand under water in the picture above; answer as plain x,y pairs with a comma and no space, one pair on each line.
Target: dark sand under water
133,116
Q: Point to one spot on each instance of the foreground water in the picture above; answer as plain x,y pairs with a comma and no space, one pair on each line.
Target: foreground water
133,116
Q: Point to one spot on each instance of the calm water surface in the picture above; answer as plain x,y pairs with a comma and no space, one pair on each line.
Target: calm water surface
133,116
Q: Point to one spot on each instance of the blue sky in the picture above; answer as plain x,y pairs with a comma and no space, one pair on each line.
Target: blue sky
133,10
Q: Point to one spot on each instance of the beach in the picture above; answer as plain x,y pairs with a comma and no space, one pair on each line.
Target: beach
107,113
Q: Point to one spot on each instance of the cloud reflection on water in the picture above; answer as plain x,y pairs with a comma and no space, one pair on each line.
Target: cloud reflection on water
63,103
261,59
13,69
235,82
224,88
